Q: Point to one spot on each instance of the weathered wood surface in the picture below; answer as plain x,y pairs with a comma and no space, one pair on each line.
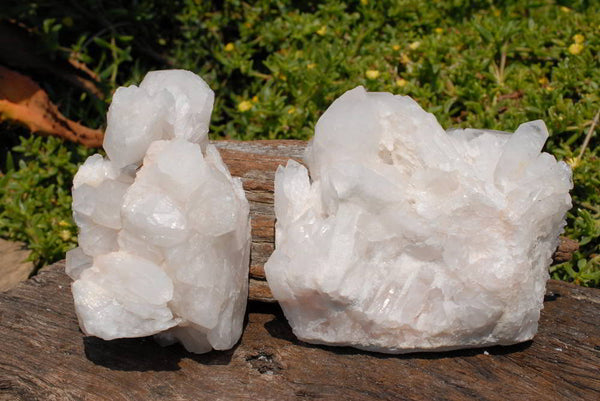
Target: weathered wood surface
44,356
255,162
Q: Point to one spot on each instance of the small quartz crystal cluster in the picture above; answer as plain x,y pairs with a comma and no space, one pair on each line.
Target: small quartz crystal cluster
409,238
164,232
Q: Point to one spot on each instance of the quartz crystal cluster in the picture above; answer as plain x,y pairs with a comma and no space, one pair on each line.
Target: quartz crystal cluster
164,232
409,238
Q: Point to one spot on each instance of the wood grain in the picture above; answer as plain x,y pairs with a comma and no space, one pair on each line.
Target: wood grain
44,356
255,163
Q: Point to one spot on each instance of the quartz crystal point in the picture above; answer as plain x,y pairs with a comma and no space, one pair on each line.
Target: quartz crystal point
164,234
408,238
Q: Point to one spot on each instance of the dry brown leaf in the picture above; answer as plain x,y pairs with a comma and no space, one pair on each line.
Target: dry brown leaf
23,101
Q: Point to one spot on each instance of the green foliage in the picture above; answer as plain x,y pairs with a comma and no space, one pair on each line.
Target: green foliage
276,65
35,196
470,63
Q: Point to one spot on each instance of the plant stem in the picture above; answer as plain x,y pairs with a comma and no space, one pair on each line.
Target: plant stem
586,141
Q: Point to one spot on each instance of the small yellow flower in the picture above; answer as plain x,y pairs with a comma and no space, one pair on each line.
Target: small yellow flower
565,9
292,110
244,106
282,77
401,82
414,45
573,162
322,31
248,25
372,74
549,88
439,31
65,235
310,66
396,47
575,48
63,223
496,12
543,81
579,38
255,99
364,2
229,47
404,59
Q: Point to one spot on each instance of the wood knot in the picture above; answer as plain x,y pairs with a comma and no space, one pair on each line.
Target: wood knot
265,363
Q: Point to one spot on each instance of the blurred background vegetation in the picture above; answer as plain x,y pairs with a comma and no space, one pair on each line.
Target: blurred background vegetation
276,65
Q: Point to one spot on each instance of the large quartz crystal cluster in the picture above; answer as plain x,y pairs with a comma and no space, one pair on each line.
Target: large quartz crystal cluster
409,238
164,232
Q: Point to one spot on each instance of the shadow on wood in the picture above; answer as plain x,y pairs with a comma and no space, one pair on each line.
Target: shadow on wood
279,328
124,355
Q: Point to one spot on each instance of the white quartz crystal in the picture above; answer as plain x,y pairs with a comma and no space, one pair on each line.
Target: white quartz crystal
409,238
167,104
164,234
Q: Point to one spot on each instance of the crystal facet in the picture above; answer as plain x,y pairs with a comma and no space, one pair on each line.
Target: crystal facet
410,238
164,234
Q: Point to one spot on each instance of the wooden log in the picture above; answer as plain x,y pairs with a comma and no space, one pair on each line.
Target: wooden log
255,163
44,356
